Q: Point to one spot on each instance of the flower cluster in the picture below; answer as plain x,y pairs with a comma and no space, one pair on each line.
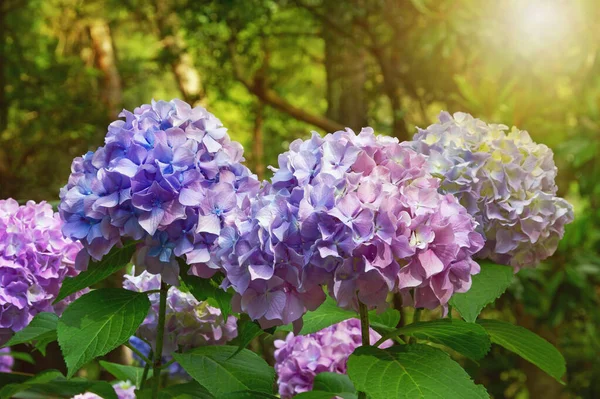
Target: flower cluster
168,175
354,212
6,362
299,359
124,390
504,179
188,323
34,260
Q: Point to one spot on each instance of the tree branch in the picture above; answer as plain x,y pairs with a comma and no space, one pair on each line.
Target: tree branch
257,85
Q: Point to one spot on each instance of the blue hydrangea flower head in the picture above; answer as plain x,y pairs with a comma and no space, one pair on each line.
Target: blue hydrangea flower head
167,175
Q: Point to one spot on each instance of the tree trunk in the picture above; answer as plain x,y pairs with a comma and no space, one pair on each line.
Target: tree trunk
346,75
110,90
3,100
257,142
186,75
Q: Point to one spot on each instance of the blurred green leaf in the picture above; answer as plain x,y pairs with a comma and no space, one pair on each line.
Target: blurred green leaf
41,329
528,345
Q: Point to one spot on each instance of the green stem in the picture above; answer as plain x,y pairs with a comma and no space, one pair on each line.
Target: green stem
392,335
137,352
160,334
146,370
167,364
364,332
450,312
417,315
416,319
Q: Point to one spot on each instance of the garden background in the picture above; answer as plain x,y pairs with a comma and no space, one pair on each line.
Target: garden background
272,71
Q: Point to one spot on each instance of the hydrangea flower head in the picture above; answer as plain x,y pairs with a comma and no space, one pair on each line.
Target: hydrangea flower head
188,323
298,359
6,362
504,179
167,175
123,389
34,260
358,213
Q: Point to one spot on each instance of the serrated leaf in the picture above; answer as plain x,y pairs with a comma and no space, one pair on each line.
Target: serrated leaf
324,316
327,385
189,390
42,329
467,338
115,260
410,371
98,322
528,345
126,373
487,286
206,289
215,369
247,331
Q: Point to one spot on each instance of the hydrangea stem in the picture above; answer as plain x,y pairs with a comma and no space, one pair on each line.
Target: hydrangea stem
146,370
416,319
160,333
364,332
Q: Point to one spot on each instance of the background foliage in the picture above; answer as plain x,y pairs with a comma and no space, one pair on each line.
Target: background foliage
273,70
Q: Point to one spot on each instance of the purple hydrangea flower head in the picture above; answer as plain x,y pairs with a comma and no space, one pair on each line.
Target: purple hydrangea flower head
34,260
358,213
123,389
504,179
188,323
298,359
6,362
167,175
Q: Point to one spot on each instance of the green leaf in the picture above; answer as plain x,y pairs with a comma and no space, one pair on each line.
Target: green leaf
410,371
54,383
467,338
115,260
215,369
388,319
98,322
328,385
488,285
528,345
247,331
12,378
41,329
125,373
206,289
324,316
190,390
